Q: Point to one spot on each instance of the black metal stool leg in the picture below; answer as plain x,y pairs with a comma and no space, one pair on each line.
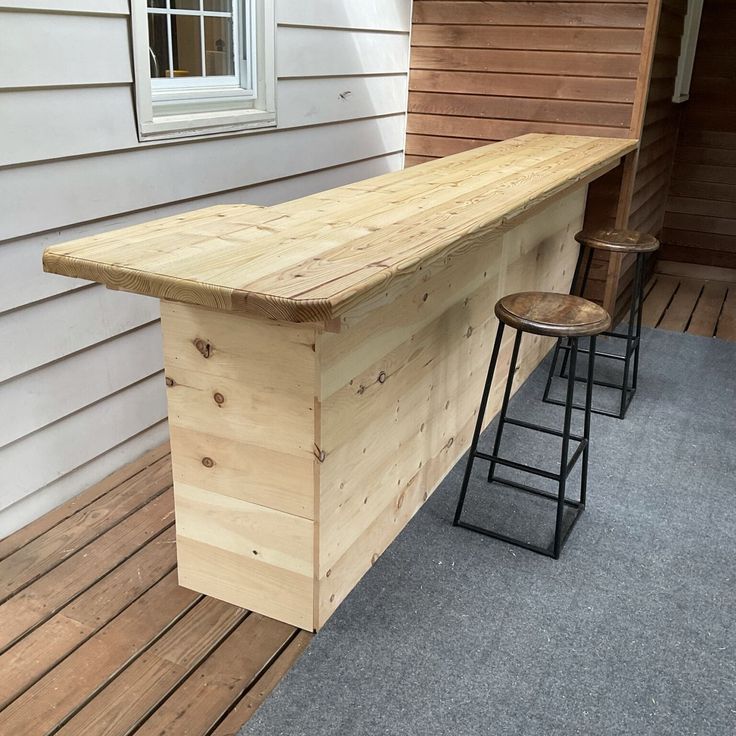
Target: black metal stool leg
479,422
565,448
505,404
630,341
640,305
586,424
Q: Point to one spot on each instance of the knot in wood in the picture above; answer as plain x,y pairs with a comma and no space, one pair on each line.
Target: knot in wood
219,398
374,559
203,347
208,462
169,381
382,377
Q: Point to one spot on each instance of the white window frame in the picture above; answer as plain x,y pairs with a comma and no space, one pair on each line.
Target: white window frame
688,46
187,107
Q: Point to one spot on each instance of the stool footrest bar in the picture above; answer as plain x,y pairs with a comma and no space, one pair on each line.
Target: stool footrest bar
517,466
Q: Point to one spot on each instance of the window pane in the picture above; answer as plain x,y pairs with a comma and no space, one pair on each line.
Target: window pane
156,3
158,46
186,45
185,4
222,6
218,44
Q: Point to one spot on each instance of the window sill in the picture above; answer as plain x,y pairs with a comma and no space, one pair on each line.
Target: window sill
195,125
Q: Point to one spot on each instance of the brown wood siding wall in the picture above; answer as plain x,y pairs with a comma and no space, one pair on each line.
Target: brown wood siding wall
658,137
700,223
487,71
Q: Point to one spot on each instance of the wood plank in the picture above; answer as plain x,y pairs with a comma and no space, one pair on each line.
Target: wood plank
658,299
515,108
726,329
622,66
705,316
523,85
681,307
50,593
69,536
606,15
221,680
492,129
692,270
36,528
530,38
248,704
137,691
84,672
38,652
314,278
441,323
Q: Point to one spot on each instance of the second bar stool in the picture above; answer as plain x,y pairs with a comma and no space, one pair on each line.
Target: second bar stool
552,315
612,241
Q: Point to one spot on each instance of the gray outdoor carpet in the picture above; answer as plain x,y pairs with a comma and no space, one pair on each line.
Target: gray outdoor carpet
630,632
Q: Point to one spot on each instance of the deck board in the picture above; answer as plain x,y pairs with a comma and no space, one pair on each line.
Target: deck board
97,637
705,315
689,298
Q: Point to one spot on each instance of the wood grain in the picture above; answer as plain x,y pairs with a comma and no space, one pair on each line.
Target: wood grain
311,260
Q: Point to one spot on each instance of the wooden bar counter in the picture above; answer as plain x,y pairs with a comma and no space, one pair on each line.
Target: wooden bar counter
324,358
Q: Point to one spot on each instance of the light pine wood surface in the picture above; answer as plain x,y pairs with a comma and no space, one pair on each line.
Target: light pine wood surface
313,259
301,446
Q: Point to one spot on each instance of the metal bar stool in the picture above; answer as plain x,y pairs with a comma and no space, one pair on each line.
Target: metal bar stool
554,315
613,241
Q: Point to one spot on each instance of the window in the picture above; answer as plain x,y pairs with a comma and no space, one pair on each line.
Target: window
203,66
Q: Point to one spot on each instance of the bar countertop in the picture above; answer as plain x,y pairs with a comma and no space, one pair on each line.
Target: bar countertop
311,259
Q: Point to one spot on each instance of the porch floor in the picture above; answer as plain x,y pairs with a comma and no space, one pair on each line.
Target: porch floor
97,638
699,300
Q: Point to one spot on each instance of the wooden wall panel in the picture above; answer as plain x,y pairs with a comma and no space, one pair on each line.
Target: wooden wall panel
700,222
486,71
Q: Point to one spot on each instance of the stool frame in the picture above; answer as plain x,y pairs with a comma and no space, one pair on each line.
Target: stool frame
630,358
567,461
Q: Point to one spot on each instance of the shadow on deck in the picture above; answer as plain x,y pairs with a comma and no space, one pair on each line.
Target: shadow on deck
96,637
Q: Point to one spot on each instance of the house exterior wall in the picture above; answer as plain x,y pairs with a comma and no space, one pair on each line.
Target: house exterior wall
81,385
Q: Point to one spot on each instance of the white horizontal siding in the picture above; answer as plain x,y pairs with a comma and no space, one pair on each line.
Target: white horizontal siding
81,386
54,123
45,50
92,7
77,190
323,52
49,330
97,119
379,15
41,397
102,426
47,497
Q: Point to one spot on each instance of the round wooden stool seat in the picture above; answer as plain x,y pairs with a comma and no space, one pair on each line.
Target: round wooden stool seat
621,241
551,314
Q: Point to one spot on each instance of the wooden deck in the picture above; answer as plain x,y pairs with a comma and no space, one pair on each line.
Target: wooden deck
699,300
97,638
